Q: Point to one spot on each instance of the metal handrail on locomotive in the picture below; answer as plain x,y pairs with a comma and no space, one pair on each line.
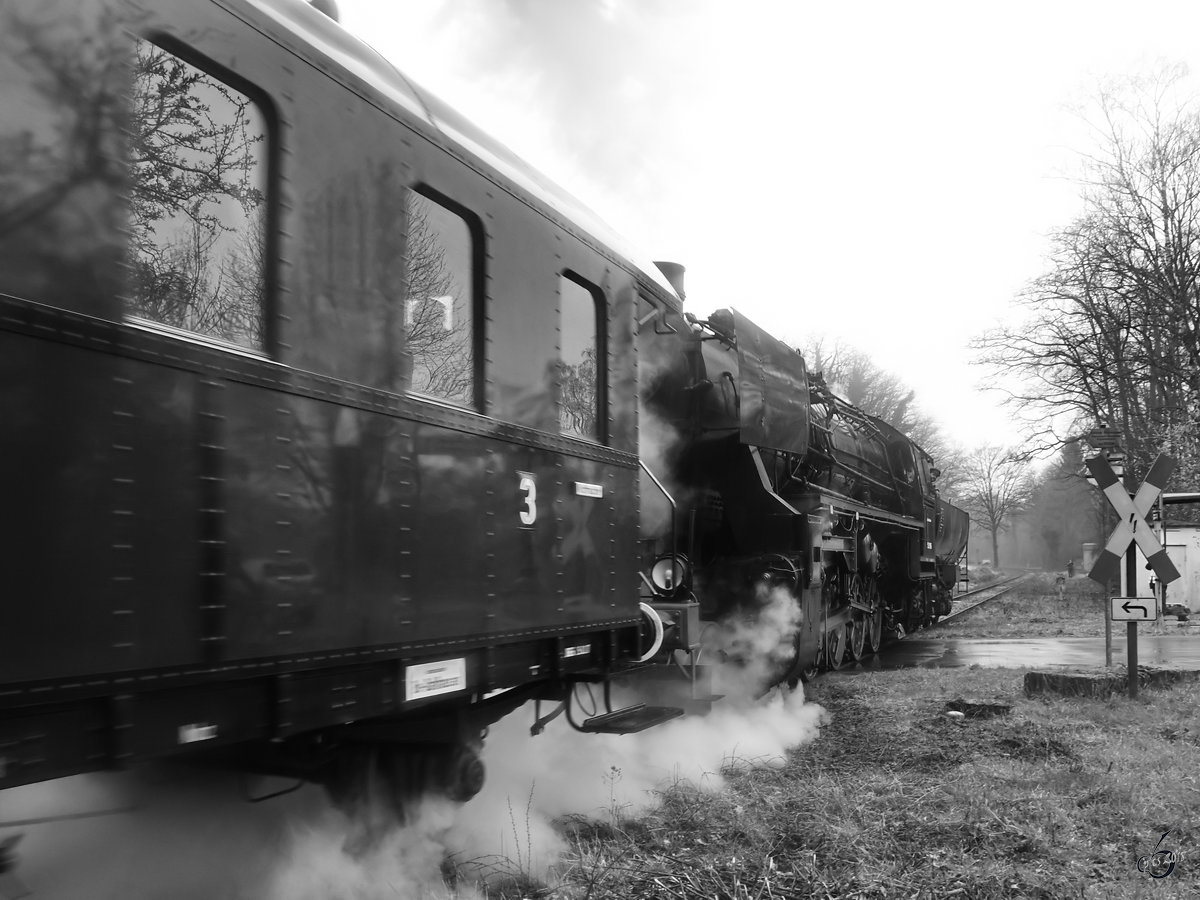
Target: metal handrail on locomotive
325,417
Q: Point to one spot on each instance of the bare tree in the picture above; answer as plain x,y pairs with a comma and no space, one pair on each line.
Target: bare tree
1063,510
996,486
438,340
195,146
577,395
852,375
1113,331
195,208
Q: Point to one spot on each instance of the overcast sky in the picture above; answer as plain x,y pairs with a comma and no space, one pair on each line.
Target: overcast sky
879,173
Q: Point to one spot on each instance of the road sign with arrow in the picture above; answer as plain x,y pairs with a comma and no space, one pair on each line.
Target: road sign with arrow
1133,609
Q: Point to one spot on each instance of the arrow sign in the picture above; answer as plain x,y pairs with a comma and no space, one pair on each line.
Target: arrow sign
1132,525
1133,609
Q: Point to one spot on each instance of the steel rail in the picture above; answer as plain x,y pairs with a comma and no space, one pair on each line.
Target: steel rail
990,589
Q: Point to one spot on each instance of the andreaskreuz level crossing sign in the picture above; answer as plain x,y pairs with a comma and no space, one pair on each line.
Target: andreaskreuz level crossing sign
1132,525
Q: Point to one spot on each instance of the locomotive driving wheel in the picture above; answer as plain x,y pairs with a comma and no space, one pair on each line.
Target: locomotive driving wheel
858,635
873,619
835,646
858,620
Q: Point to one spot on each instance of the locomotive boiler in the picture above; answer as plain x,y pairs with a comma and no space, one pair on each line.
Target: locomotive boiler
769,485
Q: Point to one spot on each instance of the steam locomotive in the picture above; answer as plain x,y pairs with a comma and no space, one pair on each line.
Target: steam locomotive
776,485
327,424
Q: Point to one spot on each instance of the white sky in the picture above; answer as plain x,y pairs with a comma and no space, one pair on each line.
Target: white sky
882,173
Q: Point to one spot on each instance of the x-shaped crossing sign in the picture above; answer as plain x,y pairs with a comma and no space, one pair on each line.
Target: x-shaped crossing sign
1133,525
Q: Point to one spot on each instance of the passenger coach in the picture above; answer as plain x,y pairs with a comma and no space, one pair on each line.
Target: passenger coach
320,420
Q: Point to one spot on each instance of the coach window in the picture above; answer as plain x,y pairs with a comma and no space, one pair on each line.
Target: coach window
580,396
439,311
197,207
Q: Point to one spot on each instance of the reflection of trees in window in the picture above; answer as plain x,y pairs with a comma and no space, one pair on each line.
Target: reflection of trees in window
577,393
102,137
578,375
438,314
196,207
62,71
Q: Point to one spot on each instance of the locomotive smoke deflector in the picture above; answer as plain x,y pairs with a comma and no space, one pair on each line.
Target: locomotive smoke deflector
772,389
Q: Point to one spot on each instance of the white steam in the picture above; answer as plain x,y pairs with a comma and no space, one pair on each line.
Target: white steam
193,836
656,441
403,864
757,641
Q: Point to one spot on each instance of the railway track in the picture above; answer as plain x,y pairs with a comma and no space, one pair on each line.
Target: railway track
972,598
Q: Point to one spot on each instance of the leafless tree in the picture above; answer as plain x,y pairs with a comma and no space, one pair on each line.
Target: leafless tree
80,81
438,340
577,395
996,486
852,375
1112,334
195,207
1063,510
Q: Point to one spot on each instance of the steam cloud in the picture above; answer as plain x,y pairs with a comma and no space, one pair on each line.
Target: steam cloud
656,439
193,836
758,641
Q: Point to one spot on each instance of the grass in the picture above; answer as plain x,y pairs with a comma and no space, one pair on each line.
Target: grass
1033,609
1058,798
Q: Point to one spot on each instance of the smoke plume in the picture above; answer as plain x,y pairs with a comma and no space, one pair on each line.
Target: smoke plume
173,831
757,641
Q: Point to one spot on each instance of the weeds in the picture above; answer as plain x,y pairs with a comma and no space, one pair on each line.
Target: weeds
1056,798
1033,609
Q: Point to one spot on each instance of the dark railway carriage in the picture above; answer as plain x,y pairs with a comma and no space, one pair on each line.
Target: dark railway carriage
319,409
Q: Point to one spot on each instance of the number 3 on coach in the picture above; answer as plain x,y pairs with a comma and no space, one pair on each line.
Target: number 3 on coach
528,485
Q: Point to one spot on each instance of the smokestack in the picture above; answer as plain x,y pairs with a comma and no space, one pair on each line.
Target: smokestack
329,7
674,273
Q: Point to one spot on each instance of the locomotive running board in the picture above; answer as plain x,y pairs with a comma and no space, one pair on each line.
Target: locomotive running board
631,719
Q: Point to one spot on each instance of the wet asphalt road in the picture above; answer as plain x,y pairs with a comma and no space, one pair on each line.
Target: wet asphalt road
1181,650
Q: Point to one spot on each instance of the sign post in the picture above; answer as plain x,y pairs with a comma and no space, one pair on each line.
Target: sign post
1107,440
1132,529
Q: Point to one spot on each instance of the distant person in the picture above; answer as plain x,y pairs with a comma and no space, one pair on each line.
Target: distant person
1070,568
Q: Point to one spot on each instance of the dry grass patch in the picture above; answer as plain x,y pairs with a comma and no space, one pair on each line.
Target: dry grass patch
1033,609
1056,799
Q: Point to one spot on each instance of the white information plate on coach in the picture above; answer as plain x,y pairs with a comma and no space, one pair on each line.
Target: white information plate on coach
1133,609
587,489
433,678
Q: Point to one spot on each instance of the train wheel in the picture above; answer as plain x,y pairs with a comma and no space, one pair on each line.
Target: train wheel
858,635
875,628
835,646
